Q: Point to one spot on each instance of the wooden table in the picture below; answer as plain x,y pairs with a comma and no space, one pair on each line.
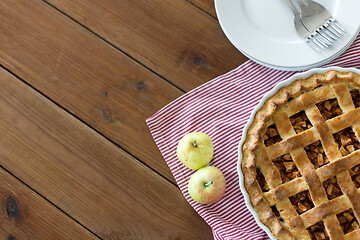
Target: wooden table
78,79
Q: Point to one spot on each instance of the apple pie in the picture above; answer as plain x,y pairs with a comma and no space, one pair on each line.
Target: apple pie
301,159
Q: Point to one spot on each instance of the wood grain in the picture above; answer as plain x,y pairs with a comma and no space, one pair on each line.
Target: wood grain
25,215
174,38
92,80
85,175
205,5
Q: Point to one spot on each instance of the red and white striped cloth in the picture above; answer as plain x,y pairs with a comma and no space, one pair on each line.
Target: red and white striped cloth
221,108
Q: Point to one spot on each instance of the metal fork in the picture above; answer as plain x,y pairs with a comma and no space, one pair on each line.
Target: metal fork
302,31
319,22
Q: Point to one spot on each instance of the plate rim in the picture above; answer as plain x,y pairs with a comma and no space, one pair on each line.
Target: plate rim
307,67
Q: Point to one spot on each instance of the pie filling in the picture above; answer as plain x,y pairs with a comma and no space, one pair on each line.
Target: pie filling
261,180
317,231
316,154
347,143
300,122
332,188
271,136
348,222
355,95
277,213
329,109
287,168
302,202
355,175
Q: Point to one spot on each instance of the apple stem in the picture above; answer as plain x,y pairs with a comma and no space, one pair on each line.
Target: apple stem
194,144
208,183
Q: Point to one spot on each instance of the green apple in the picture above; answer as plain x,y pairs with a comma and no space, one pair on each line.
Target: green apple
195,150
207,185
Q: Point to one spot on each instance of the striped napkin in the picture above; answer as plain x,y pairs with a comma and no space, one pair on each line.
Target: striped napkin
221,108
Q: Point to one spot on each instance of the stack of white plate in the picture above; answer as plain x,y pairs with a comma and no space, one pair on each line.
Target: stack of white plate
264,31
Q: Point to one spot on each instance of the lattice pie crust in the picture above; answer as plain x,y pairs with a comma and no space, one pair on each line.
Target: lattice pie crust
301,159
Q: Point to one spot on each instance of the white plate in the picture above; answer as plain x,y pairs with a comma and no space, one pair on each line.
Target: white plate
310,66
280,85
264,31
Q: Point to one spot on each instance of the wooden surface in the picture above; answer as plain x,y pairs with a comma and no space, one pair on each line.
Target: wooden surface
77,81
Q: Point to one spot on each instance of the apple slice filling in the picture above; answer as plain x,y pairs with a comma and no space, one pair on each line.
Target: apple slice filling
277,213
332,188
302,201
287,168
355,175
261,180
348,222
300,122
355,95
316,154
329,108
317,232
347,141
271,136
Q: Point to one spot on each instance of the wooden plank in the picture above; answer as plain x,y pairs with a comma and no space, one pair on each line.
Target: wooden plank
25,215
85,75
172,37
85,175
205,5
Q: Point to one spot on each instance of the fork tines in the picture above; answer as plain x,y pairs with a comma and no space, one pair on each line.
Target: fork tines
326,34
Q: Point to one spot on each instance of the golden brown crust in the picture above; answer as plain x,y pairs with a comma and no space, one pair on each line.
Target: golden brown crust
322,211
305,93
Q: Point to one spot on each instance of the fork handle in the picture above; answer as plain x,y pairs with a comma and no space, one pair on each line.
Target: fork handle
292,7
308,2
300,3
